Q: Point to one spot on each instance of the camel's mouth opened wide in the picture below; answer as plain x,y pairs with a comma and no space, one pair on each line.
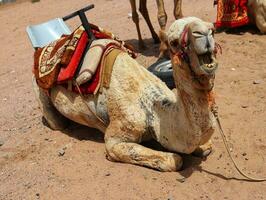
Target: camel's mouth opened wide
208,62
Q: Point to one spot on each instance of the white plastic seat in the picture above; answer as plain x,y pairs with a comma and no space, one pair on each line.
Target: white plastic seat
47,32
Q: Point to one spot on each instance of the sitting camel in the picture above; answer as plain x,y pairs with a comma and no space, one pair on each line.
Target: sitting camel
138,106
162,19
244,12
257,13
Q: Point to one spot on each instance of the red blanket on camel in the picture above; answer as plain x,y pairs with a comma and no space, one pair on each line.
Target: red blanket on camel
231,13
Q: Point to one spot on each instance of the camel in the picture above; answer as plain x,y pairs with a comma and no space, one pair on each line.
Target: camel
139,107
162,19
257,13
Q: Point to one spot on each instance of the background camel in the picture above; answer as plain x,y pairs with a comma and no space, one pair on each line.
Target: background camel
138,106
257,13
162,19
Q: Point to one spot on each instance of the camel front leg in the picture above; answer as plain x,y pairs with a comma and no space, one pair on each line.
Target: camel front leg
178,9
162,19
135,18
121,147
161,14
144,11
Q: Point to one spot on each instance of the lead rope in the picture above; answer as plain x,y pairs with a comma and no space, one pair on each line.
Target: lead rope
85,102
215,113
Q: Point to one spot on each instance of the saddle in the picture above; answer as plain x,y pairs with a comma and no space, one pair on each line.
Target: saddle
60,61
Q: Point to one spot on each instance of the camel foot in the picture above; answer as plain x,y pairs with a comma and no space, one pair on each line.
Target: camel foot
203,150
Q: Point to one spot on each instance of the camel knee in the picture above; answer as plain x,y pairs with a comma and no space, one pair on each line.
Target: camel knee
162,19
111,150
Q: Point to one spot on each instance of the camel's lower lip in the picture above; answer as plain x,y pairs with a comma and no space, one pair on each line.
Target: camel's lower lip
209,68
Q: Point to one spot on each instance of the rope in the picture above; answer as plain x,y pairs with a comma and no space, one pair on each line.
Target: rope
85,102
230,155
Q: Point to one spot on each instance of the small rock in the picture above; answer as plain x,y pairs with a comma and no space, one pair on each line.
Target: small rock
181,180
244,106
61,152
2,143
257,82
37,195
246,158
244,154
233,69
107,174
129,15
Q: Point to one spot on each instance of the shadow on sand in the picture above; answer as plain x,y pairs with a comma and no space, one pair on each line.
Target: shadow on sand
150,50
252,29
81,132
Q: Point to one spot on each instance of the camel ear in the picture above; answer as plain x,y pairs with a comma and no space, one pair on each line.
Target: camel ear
210,25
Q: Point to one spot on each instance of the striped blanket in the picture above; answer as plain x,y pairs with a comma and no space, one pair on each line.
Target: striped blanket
231,13
57,63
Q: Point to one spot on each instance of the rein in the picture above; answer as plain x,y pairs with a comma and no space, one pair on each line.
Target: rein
249,178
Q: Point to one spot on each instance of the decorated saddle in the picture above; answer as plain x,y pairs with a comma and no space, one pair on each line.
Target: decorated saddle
231,13
60,61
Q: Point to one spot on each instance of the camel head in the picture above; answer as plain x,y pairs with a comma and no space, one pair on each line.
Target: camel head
193,52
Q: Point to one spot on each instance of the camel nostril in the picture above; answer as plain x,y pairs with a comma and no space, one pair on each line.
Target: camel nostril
208,45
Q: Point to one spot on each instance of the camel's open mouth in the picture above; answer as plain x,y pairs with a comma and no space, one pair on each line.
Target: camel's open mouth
208,63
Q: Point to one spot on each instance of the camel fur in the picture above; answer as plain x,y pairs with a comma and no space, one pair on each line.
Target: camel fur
138,106
257,13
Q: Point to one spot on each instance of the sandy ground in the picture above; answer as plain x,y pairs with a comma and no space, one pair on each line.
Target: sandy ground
30,165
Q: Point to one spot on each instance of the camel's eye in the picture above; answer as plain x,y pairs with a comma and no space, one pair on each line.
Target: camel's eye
197,34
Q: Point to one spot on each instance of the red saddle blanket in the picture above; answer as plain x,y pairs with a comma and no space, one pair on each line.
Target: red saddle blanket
231,13
57,62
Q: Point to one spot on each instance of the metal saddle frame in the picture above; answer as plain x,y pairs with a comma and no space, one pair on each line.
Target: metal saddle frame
42,34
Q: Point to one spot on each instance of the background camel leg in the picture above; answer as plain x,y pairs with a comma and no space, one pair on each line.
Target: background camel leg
144,11
135,18
178,9
55,120
121,146
162,19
